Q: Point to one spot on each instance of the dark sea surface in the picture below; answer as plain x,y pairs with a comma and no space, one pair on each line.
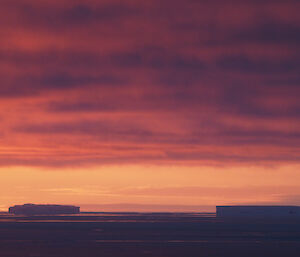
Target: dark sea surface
146,234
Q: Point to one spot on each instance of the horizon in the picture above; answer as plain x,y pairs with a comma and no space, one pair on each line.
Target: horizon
148,208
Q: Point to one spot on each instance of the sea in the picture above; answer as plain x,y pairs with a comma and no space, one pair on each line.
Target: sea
134,234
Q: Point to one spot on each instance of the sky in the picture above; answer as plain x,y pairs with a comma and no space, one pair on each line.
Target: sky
160,105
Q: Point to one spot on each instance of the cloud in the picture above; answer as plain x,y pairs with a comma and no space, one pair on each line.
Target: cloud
61,17
98,128
181,82
65,81
154,58
264,66
136,141
34,85
258,192
271,32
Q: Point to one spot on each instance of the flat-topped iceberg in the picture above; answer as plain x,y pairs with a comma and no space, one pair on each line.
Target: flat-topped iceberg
43,209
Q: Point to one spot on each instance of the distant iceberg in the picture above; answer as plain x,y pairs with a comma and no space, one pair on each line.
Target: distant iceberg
260,211
41,209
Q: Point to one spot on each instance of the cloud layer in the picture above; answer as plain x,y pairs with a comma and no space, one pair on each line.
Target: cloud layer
166,82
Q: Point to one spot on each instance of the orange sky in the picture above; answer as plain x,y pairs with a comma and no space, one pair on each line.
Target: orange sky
159,103
201,188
